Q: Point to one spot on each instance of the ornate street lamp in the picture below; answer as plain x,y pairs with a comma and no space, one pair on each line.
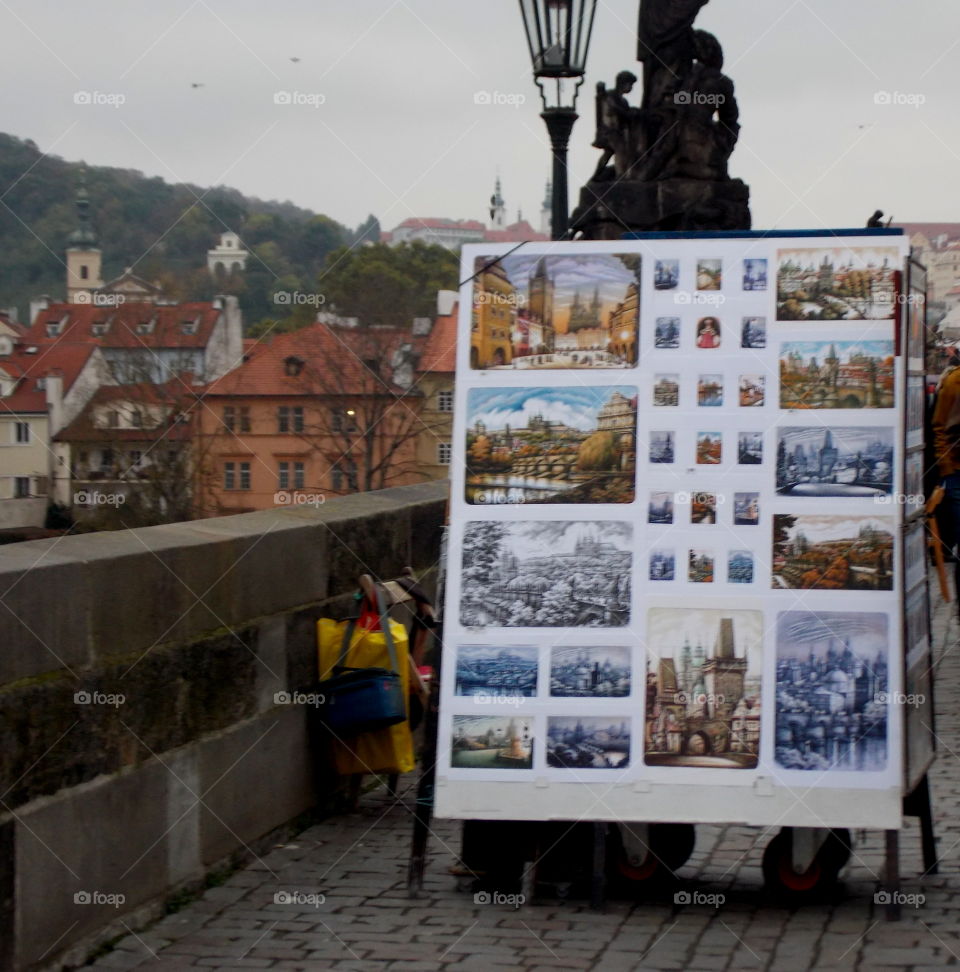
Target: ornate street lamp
558,35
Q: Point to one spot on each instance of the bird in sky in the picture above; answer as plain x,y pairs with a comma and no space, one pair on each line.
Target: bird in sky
197,84
296,60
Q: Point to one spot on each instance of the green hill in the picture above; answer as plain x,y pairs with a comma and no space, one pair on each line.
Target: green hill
160,230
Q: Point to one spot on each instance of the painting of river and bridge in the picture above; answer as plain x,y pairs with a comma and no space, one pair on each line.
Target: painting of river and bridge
551,445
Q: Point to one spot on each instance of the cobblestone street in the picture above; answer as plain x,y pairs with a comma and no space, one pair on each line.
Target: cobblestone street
366,921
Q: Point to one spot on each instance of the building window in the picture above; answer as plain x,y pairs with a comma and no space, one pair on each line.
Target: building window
283,419
23,432
343,420
136,419
283,476
244,475
244,418
135,458
113,419
84,271
445,401
188,327
21,487
343,475
298,418
145,327
444,451
98,328
229,417
106,460
299,479
229,475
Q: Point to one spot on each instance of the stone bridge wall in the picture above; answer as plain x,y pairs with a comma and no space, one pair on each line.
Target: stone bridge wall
140,742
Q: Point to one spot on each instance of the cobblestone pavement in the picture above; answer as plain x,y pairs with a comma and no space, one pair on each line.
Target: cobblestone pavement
366,922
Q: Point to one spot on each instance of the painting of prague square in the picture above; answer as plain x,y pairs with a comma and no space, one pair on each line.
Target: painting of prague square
841,461
551,445
589,672
831,709
491,742
546,573
496,671
832,553
555,311
703,688
581,742
837,283
836,374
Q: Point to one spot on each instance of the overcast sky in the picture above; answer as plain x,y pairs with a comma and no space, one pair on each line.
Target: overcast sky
396,130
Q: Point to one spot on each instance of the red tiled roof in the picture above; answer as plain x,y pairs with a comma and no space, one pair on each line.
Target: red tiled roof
67,360
16,326
78,320
333,363
514,233
180,394
440,354
431,222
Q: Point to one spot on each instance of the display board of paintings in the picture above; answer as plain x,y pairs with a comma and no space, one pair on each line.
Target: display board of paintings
675,571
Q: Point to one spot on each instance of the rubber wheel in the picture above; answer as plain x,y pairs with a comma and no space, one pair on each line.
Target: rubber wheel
669,847
820,877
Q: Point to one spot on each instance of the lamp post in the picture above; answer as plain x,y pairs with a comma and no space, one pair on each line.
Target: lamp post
558,35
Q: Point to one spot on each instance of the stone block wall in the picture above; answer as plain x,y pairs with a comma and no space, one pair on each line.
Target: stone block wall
140,740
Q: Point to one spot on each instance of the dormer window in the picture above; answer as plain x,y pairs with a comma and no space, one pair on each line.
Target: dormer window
188,327
53,328
98,328
41,384
293,365
145,327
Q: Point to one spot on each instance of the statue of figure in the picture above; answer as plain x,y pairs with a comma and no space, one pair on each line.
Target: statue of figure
707,117
616,125
665,45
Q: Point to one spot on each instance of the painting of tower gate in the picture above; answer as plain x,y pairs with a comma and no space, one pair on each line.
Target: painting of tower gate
703,688
836,374
551,445
555,311
546,573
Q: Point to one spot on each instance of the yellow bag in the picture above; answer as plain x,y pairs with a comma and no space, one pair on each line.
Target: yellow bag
387,750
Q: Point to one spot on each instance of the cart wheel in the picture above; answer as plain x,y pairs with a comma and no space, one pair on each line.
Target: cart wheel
796,888
669,847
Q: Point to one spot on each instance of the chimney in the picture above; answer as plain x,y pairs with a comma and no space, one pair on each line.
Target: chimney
54,389
37,306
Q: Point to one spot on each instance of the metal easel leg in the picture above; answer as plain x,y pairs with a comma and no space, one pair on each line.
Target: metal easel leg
892,875
598,883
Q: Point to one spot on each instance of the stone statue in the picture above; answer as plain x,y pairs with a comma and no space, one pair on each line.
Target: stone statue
616,125
670,155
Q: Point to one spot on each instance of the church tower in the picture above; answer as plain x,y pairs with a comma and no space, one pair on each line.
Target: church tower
546,211
498,208
83,251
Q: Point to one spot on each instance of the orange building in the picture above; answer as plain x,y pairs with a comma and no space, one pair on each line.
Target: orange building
318,412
